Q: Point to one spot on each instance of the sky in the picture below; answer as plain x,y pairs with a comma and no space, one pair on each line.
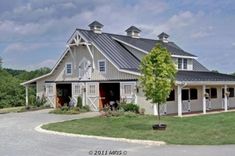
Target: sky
33,33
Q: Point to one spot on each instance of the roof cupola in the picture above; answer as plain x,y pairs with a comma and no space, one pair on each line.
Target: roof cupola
133,32
163,37
96,27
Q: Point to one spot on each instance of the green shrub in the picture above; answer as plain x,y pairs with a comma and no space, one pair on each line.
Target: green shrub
114,113
70,110
64,108
37,101
85,108
129,107
79,102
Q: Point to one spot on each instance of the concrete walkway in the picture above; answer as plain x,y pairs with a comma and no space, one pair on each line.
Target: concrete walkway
18,138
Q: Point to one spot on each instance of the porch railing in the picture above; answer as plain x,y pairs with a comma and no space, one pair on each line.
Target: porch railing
186,106
223,103
163,109
208,105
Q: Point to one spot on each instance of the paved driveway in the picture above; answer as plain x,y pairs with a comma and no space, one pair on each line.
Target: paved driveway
18,138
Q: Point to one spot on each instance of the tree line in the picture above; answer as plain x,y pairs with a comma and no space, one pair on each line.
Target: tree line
11,92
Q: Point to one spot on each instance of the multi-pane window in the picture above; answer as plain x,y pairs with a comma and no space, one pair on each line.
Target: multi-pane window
127,89
179,63
212,92
182,63
189,94
77,89
230,90
171,96
102,66
69,68
92,89
185,94
185,63
50,89
193,94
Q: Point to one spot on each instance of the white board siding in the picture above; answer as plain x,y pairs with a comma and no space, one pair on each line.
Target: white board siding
196,105
79,53
111,71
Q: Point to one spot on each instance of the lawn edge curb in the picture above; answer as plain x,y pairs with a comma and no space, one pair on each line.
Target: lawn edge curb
144,142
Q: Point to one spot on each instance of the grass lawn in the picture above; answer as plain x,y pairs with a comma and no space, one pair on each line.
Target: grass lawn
208,129
10,109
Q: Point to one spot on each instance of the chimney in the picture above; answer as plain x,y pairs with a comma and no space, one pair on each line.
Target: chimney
96,27
163,37
133,32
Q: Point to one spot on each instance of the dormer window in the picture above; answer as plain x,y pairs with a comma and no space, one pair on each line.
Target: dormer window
182,64
68,68
185,64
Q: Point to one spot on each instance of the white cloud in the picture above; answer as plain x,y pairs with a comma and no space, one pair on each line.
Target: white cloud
23,48
175,22
46,63
20,48
203,32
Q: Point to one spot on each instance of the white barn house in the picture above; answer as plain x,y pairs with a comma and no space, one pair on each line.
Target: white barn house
96,62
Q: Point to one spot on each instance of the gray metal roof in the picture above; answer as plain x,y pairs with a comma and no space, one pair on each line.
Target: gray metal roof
198,66
124,59
203,76
96,23
113,50
148,44
133,28
163,35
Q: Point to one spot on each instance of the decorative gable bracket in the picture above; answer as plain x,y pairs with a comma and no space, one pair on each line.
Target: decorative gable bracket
77,40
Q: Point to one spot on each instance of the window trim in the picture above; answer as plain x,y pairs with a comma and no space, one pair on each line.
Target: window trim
189,94
79,91
229,90
169,99
66,69
182,63
89,89
210,97
105,66
131,89
50,89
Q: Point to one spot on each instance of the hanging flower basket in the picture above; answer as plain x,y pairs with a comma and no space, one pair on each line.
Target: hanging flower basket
227,93
206,95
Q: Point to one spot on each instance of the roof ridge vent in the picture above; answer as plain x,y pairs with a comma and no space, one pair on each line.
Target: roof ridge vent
96,27
133,32
164,37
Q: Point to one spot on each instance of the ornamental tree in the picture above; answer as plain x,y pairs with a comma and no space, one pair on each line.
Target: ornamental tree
157,78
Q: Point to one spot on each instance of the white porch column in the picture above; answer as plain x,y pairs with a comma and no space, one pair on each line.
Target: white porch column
179,93
225,99
204,99
26,95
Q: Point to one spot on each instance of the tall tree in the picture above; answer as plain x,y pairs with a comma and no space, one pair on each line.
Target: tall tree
158,73
0,63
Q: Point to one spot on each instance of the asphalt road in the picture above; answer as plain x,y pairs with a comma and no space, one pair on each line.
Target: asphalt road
18,138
